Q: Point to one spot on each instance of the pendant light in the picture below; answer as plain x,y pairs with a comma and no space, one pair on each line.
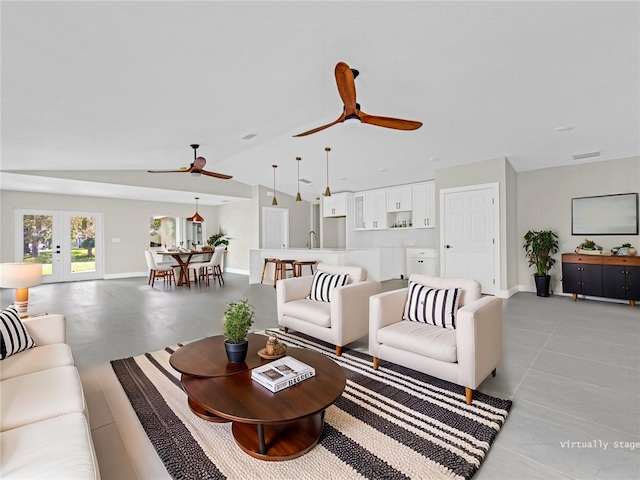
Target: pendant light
196,216
298,197
327,192
274,201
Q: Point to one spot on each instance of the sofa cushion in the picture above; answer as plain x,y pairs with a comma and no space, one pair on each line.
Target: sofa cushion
318,313
35,360
38,396
323,283
59,447
14,337
431,305
421,338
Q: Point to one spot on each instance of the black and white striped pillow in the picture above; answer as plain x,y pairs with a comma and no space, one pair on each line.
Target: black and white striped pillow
324,283
431,305
14,337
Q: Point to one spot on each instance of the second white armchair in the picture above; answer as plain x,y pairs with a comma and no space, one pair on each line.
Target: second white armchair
340,321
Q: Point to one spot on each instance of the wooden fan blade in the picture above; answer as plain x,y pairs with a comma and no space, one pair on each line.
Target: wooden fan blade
388,122
340,119
216,175
182,170
346,87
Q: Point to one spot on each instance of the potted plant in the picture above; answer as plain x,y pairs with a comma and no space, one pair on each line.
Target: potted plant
539,245
218,239
238,318
588,246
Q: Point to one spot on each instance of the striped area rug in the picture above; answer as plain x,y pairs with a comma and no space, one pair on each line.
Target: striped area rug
393,423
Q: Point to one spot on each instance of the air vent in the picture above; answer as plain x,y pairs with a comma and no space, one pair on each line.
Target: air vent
305,181
248,136
580,156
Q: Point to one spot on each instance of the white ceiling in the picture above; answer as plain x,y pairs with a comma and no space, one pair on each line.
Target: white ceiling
130,85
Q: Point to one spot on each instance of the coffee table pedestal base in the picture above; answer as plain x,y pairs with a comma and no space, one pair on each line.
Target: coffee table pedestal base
205,414
282,441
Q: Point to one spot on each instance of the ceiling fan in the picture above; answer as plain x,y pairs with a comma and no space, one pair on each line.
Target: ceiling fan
345,77
197,167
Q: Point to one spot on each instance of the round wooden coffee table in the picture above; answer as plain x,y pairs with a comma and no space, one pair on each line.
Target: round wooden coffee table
266,425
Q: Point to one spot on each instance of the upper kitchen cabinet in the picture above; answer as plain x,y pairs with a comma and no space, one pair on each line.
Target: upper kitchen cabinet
335,205
424,205
399,199
375,211
370,210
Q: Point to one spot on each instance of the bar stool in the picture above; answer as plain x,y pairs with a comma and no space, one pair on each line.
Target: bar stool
264,268
298,264
282,267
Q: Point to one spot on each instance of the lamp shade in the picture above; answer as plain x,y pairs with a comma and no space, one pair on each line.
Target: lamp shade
20,275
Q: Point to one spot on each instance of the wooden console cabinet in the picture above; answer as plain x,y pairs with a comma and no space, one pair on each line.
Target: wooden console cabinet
601,276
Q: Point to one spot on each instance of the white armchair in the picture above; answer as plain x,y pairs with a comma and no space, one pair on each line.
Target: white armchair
339,322
465,355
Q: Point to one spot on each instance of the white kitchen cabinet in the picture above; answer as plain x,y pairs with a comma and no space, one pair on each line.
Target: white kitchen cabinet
423,261
335,205
358,211
375,210
424,208
399,199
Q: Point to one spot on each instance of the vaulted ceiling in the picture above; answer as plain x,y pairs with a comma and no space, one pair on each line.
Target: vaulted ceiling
128,86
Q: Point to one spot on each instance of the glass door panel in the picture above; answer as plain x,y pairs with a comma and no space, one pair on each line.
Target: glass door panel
37,241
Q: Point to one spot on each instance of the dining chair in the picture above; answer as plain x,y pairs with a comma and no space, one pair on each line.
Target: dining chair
156,271
213,268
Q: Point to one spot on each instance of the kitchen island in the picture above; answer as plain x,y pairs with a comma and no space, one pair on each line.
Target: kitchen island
377,261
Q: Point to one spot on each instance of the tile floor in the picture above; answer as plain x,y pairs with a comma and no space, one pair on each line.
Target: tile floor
572,370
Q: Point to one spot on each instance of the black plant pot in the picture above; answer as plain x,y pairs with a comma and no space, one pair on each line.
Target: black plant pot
236,352
542,285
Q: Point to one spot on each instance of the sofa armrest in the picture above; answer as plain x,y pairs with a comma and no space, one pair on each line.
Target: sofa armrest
296,288
385,309
350,309
46,329
479,339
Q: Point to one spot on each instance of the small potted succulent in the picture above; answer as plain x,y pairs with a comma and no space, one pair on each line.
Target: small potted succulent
238,318
626,249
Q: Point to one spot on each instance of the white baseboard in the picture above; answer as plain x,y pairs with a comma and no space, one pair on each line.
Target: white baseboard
532,289
114,276
237,270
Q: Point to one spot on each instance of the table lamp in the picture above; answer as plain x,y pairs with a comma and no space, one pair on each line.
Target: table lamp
20,276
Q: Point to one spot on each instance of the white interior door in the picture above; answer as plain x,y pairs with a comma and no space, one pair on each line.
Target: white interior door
469,234
67,244
275,227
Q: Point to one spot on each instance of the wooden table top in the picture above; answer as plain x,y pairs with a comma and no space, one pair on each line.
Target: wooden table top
237,397
208,358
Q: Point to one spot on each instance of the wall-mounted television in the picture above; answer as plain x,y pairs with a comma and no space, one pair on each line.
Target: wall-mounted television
605,215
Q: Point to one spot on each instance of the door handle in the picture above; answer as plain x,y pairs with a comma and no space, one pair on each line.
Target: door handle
448,246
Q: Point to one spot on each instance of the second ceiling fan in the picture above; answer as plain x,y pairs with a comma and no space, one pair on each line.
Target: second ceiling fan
197,167
345,79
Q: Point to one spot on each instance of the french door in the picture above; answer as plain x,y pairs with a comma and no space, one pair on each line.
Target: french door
67,244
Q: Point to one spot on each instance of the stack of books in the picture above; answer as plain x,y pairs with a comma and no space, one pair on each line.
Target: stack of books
282,373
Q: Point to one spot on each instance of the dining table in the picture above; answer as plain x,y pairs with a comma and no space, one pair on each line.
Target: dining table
184,258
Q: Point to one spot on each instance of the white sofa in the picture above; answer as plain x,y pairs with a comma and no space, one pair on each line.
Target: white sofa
44,426
465,355
339,322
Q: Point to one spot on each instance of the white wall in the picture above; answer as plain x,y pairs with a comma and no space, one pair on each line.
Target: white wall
544,203
488,171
